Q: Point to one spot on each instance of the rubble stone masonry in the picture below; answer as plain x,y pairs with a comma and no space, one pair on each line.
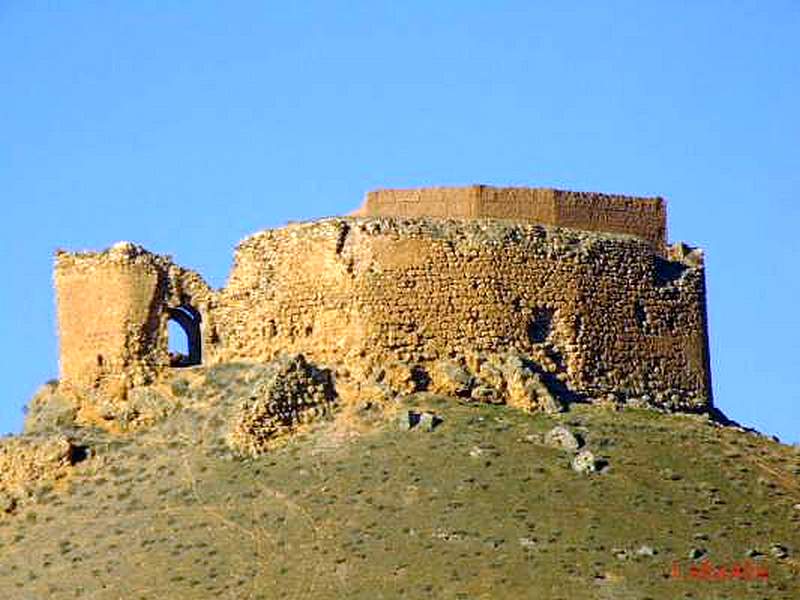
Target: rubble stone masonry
419,281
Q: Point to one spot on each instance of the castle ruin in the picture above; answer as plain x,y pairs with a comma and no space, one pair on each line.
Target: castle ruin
583,284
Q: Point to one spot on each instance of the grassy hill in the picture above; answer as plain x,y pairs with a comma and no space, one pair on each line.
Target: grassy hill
363,506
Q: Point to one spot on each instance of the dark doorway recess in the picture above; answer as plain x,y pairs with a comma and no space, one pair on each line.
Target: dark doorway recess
540,324
188,318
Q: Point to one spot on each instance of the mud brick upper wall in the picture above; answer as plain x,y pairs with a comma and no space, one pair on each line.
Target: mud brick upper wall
590,211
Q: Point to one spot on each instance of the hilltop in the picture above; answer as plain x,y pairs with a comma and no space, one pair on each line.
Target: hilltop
416,495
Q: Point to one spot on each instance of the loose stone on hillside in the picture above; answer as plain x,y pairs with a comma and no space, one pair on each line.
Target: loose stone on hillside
429,421
404,420
527,543
585,462
562,437
779,551
483,450
420,421
697,553
620,553
646,550
476,452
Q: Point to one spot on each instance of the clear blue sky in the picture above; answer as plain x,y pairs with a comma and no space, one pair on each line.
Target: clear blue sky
185,126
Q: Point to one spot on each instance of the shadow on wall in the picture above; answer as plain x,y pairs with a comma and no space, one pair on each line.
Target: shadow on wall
188,319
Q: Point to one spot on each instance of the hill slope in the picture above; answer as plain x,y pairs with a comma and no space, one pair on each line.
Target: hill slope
479,506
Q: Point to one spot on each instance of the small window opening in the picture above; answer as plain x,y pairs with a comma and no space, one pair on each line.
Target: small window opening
540,325
185,348
78,454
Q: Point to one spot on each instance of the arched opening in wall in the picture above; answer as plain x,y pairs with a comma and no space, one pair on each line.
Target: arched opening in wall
185,348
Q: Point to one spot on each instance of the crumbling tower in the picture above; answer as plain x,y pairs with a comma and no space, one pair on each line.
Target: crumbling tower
113,309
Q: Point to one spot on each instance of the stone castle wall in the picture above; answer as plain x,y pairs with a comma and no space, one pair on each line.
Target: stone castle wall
600,312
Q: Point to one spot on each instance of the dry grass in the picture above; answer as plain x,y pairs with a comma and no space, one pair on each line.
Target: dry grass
359,508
